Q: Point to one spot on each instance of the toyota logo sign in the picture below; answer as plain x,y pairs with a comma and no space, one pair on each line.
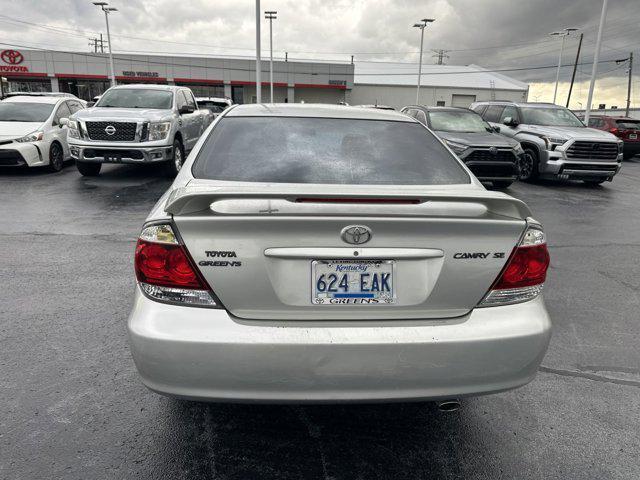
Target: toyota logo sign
356,234
12,57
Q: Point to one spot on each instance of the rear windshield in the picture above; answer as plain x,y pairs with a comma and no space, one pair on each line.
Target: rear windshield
326,150
628,124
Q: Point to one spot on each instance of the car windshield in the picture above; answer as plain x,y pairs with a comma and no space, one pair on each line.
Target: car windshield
24,111
452,121
628,124
326,150
550,116
136,98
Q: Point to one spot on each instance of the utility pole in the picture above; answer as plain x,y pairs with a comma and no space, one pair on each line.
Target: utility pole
258,56
575,67
423,23
107,10
93,42
271,15
629,84
564,33
440,55
101,44
596,58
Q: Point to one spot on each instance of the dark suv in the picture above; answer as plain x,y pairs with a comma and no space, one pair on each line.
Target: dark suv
491,157
556,143
625,128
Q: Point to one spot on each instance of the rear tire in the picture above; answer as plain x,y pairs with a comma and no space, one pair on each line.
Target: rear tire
173,166
502,183
88,169
528,165
56,157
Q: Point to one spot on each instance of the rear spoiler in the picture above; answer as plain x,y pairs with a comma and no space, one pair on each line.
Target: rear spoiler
287,199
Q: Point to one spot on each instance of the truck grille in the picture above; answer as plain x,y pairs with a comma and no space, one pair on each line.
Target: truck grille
487,156
593,151
120,131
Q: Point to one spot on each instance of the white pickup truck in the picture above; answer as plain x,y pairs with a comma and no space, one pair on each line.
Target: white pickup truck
137,124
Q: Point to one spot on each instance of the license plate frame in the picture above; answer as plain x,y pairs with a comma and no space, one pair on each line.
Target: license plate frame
353,268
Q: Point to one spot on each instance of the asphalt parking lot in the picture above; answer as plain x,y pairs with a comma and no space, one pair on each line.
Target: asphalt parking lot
72,407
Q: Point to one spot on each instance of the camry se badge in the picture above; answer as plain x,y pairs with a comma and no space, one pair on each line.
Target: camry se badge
356,234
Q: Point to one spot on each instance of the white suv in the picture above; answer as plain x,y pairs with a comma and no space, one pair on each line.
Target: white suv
31,131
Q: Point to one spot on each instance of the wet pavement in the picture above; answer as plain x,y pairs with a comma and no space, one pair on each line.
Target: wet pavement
72,407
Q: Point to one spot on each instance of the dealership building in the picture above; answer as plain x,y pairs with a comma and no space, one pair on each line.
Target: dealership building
87,75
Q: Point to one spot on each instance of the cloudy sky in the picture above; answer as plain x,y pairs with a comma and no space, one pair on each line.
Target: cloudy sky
504,35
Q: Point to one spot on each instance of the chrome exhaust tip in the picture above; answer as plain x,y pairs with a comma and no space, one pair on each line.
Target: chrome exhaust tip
450,405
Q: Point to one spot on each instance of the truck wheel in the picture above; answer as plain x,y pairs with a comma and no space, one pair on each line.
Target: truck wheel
56,157
502,183
173,166
89,169
528,165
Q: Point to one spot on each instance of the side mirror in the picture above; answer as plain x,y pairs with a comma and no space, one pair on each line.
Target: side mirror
63,122
510,122
186,109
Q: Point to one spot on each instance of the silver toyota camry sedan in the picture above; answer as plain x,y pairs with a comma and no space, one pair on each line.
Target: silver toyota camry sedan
327,253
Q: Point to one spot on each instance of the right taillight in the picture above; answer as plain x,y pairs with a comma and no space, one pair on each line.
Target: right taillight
524,274
165,272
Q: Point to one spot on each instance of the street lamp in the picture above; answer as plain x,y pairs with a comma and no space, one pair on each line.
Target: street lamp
258,56
107,10
564,34
423,23
596,57
271,15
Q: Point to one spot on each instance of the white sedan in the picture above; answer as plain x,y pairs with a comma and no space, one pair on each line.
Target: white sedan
31,131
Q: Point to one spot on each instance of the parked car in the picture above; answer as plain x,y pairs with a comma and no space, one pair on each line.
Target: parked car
626,129
491,157
323,253
216,105
32,132
556,143
137,124
379,107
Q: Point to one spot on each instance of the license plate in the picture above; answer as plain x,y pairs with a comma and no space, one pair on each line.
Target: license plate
633,136
113,158
352,282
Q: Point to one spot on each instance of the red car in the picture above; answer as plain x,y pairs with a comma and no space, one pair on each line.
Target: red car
625,128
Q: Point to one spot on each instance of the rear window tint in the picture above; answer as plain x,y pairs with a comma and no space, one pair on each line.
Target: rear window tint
628,124
325,150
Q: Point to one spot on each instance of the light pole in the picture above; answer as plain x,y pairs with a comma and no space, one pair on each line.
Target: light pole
596,58
564,33
107,10
423,23
258,55
271,15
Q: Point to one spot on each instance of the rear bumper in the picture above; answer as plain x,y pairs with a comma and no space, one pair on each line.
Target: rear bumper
116,154
631,148
23,154
205,354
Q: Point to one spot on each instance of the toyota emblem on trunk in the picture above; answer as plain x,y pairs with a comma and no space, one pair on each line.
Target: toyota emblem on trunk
356,234
110,130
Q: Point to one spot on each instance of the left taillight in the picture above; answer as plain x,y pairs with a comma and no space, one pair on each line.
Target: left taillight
165,271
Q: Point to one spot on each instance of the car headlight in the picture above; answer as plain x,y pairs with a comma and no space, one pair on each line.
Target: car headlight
553,142
518,149
32,137
73,131
457,148
159,130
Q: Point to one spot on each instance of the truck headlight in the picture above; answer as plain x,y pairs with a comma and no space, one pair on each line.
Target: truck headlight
552,142
159,130
457,148
31,137
73,131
